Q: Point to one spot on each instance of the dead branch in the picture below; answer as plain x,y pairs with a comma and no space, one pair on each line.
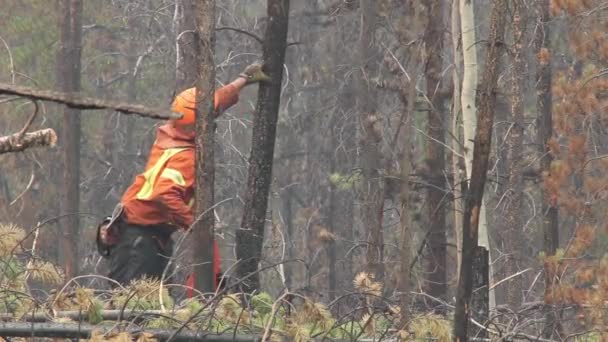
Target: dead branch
13,143
245,32
28,123
82,102
84,331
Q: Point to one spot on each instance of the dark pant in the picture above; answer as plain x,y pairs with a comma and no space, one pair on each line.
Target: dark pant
141,251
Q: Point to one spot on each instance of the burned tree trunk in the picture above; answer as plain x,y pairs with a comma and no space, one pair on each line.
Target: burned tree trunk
370,193
202,229
481,153
433,41
69,82
514,217
545,131
250,236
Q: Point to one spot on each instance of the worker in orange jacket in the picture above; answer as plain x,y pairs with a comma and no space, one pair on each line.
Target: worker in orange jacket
137,238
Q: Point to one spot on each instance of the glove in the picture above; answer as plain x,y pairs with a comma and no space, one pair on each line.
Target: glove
253,73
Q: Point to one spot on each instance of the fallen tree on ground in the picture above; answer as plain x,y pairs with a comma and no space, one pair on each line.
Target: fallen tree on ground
87,331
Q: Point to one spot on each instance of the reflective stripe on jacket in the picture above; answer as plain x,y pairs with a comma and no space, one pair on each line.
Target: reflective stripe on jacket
163,193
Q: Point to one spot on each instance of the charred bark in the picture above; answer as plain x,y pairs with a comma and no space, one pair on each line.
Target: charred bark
69,82
250,236
203,226
481,153
514,214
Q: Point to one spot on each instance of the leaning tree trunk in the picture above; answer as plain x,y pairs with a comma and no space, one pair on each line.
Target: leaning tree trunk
481,153
545,131
469,118
514,216
202,229
250,236
370,192
433,42
69,82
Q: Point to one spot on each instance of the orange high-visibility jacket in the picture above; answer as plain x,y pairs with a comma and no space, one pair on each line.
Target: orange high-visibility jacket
163,193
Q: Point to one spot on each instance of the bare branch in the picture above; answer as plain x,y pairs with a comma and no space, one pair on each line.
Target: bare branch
82,102
28,123
252,35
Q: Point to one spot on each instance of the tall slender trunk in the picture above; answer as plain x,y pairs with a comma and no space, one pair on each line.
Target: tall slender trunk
69,81
545,131
435,153
514,214
469,115
250,236
405,219
481,153
205,144
128,154
370,192
185,77
456,143
185,68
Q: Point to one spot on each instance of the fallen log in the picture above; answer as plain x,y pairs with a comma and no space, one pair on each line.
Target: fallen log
82,316
18,142
85,331
82,102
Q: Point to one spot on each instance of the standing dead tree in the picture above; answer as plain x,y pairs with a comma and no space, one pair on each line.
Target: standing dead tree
481,154
250,236
205,141
544,101
370,193
68,79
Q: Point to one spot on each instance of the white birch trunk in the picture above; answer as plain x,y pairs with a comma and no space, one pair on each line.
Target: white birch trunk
469,116
456,143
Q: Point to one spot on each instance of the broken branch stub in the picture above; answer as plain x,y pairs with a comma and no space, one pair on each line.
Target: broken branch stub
18,143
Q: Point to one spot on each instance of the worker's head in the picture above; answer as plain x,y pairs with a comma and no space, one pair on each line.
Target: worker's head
185,104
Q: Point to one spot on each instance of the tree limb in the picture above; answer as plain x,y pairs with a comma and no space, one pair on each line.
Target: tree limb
15,143
245,32
82,102
28,123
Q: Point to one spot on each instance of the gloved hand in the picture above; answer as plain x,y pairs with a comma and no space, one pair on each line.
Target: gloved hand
253,73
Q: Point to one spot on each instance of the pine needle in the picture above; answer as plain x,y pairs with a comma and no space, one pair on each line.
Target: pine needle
365,283
11,237
45,271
